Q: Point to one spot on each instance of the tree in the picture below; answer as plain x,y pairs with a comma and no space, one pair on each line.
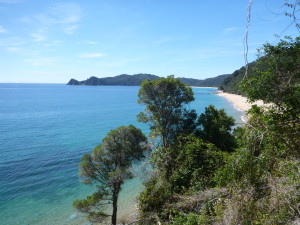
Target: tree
165,101
108,166
216,128
278,84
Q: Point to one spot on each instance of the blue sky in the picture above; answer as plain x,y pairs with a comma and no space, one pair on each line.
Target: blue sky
53,41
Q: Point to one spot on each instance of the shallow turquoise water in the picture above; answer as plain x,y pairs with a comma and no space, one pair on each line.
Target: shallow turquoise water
44,131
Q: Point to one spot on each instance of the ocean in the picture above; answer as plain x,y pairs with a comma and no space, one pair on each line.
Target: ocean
44,131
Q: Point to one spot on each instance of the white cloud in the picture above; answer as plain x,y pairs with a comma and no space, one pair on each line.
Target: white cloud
21,51
38,37
66,12
70,29
65,16
2,30
13,41
228,29
92,55
42,61
14,49
68,15
53,43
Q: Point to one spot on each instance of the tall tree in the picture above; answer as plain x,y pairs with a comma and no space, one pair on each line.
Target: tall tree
165,101
108,167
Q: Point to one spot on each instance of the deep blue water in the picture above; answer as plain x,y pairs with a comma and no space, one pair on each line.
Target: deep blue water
44,131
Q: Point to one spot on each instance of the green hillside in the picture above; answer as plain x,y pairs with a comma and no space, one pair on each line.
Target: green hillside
136,80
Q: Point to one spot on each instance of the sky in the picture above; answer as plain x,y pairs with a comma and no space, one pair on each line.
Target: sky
53,41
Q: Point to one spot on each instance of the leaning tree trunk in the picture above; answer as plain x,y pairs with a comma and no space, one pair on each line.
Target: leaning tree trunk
115,205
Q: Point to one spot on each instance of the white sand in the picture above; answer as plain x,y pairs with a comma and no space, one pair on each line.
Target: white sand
239,101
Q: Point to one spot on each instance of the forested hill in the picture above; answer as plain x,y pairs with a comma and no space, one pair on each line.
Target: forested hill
209,82
231,83
136,80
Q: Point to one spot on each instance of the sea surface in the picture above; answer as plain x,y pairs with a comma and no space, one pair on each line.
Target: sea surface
44,131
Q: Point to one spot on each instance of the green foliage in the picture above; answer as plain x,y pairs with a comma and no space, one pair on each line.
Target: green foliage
92,202
187,219
278,82
231,83
188,167
276,202
165,101
216,128
154,197
194,164
209,82
263,173
108,166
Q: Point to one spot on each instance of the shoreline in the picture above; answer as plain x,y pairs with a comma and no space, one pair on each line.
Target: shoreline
203,87
240,103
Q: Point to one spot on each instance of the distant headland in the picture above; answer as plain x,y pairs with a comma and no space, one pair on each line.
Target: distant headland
136,80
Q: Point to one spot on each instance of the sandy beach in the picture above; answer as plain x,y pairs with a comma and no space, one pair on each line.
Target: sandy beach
239,101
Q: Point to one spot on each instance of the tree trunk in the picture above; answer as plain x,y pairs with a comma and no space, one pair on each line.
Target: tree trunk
115,206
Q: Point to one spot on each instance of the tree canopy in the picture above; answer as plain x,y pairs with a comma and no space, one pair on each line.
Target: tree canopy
216,127
165,101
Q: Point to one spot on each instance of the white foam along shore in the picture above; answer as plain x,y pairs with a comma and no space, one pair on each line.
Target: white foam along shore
240,101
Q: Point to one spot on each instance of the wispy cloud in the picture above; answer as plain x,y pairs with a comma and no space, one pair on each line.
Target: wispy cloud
228,29
43,61
13,41
21,51
168,39
65,16
14,49
38,37
25,19
2,29
92,55
70,29
53,43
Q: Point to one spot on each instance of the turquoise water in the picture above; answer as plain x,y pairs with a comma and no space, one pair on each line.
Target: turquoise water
44,131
